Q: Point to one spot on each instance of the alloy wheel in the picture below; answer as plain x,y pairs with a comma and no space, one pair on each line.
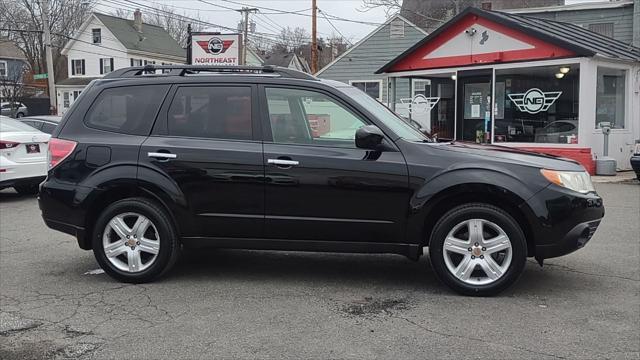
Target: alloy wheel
477,252
131,242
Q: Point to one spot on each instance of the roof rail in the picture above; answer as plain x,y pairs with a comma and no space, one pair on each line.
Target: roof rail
181,70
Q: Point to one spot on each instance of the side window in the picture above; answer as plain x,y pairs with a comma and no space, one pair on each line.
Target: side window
309,117
217,112
130,110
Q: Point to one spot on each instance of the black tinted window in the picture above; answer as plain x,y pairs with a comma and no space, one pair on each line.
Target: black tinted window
129,110
221,112
48,128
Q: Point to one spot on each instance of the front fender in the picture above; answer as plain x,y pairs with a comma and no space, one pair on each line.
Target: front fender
458,183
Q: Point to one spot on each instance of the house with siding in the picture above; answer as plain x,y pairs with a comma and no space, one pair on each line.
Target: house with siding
105,43
13,65
610,18
357,65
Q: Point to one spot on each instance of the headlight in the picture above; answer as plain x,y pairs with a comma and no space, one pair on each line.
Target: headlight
579,181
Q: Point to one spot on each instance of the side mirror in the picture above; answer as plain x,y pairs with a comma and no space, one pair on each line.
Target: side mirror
370,137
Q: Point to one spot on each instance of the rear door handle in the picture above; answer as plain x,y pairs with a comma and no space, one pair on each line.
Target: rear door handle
282,162
161,155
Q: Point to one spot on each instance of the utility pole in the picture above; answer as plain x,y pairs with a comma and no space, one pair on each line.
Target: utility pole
44,6
314,41
245,36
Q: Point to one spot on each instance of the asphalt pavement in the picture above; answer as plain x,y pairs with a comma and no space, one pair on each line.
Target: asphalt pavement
56,303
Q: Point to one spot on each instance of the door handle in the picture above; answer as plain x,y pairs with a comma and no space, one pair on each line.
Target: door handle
161,155
282,162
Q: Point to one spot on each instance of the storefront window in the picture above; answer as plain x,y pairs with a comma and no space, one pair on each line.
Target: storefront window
610,97
537,104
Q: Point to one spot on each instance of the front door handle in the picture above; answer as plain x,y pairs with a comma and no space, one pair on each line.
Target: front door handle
161,155
282,162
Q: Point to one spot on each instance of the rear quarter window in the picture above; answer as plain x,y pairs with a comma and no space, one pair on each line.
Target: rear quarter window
128,110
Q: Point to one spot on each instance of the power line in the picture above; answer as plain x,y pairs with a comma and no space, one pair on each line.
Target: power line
335,28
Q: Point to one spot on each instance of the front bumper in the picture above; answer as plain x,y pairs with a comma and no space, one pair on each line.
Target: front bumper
563,220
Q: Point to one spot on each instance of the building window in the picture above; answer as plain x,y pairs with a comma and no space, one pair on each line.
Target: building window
97,36
77,67
396,29
537,104
149,62
65,98
611,97
76,94
373,88
486,6
106,65
605,29
3,68
136,62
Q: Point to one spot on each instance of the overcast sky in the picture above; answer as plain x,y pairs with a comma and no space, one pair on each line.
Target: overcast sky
270,21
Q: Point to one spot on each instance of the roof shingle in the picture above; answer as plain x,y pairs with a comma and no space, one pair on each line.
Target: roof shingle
153,39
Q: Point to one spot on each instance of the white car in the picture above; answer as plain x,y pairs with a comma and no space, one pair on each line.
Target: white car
23,156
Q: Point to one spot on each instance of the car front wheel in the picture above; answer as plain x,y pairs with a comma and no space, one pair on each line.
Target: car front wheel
135,241
477,249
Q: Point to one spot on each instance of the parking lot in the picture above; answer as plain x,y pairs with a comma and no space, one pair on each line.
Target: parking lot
55,303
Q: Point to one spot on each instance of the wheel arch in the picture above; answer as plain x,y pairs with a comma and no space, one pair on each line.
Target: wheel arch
444,193
120,191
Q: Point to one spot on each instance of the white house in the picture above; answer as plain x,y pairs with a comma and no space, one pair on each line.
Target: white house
105,43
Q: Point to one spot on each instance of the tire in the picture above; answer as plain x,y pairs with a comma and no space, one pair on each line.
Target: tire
495,263
160,236
19,115
27,189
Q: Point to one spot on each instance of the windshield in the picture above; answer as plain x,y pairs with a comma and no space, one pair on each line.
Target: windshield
388,117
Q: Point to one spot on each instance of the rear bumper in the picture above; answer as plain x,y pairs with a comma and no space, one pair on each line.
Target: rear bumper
563,220
70,229
21,181
15,172
63,209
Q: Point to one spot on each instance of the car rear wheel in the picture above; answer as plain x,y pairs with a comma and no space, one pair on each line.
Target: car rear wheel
477,249
135,241
19,115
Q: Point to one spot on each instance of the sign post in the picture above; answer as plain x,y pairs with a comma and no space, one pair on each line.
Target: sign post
215,49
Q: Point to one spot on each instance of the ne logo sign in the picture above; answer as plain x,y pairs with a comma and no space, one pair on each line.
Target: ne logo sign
534,100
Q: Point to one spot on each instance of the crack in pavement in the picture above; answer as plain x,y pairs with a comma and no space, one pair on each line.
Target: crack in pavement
476,339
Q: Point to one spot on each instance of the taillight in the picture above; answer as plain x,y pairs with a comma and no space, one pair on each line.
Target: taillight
59,149
4,144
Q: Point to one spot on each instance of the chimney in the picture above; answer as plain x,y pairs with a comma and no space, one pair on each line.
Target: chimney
137,20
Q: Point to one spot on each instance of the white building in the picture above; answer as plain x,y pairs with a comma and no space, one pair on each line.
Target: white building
105,43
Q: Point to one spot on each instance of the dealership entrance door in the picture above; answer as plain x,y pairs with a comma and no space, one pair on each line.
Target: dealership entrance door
473,120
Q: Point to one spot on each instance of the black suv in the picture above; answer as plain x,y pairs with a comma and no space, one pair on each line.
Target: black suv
150,159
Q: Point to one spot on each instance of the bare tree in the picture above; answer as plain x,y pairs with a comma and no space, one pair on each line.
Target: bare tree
290,39
24,19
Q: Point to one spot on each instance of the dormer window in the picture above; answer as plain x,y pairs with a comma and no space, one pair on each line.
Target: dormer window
97,36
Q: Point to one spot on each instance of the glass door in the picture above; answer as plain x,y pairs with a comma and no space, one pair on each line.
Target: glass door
473,120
